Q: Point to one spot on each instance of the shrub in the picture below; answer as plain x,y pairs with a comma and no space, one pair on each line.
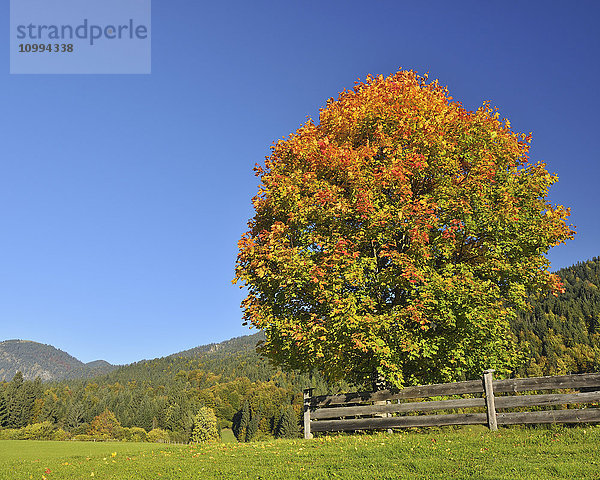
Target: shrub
121,433
60,435
11,434
137,434
157,435
38,431
91,438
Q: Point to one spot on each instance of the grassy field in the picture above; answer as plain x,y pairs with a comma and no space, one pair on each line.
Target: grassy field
572,453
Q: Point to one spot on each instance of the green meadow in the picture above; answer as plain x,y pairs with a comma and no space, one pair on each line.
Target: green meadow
516,453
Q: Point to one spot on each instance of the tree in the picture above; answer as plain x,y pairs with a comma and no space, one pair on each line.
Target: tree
75,414
241,420
104,424
3,410
287,426
205,426
397,237
253,425
19,402
179,419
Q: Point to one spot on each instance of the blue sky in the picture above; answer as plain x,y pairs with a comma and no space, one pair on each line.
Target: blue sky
122,197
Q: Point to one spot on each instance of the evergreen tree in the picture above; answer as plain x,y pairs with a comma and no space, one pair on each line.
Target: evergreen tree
17,381
241,422
3,411
287,426
50,410
144,414
29,393
15,401
75,415
253,425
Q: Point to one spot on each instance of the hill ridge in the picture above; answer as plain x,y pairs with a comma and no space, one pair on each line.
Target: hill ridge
34,359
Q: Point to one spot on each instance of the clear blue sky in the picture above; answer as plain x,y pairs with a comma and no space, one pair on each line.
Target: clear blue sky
122,197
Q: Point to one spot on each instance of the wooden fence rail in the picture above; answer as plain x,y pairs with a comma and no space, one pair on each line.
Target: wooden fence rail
386,409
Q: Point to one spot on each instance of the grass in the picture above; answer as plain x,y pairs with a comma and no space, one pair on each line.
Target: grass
227,436
458,454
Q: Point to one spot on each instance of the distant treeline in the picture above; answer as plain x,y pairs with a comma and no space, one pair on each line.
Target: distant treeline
158,399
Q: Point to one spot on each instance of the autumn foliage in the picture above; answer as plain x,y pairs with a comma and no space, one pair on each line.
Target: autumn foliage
104,424
397,237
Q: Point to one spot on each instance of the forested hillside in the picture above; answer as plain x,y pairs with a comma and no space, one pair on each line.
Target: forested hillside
163,395
37,360
561,334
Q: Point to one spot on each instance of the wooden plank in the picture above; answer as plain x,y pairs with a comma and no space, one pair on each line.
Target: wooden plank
307,394
398,422
490,403
548,399
584,380
337,412
573,415
420,391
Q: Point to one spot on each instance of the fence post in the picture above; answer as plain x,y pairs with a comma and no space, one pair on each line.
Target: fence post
307,395
490,402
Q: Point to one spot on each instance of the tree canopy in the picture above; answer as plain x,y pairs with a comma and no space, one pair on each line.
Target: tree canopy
398,237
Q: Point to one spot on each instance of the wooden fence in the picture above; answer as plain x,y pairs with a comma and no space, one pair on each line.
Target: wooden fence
386,409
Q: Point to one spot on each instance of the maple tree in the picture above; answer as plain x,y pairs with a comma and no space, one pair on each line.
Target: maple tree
104,424
397,237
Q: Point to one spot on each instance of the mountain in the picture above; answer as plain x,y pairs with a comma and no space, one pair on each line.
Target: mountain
236,357
100,365
234,345
34,360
